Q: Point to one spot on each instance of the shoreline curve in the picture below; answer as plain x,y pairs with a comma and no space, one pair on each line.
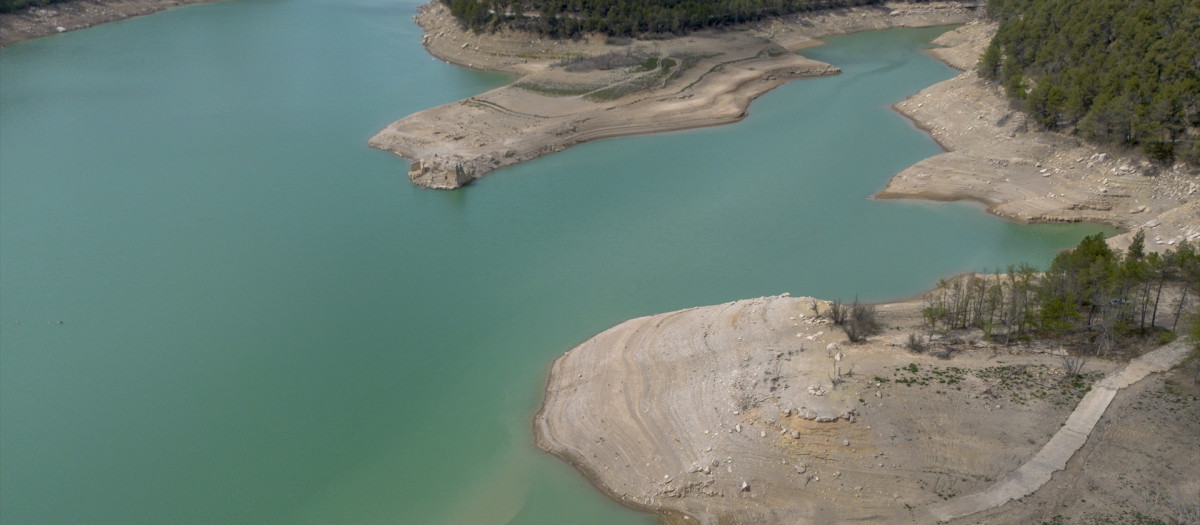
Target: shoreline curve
702,79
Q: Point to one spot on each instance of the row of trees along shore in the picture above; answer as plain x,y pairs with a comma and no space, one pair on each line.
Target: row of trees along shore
1091,298
13,5
1120,72
572,18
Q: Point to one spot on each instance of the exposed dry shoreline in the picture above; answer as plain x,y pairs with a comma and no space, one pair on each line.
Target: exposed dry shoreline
704,79
35,22
759,411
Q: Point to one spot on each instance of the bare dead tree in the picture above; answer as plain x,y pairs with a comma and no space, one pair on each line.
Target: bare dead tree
1072,366
838,312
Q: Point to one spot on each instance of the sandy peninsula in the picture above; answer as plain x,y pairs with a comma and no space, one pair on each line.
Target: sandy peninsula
760,411
35,22
559,99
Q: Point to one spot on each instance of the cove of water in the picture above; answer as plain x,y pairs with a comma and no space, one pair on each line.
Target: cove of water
219,306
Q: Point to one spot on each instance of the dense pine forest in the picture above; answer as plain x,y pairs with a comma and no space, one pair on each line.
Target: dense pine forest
571,18
1123,72
13,5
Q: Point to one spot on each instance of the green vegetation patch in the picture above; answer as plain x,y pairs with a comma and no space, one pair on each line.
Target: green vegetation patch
650,64
13,5
628,87
1017,384
606,62
686,61
556,90
650,73
644,71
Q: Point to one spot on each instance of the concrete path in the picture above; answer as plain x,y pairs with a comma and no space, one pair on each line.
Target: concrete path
1055,454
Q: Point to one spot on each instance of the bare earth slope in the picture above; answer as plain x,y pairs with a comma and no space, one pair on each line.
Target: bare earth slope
703,79
34,22
759,411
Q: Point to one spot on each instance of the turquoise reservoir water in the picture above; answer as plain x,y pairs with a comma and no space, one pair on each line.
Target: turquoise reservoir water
219,306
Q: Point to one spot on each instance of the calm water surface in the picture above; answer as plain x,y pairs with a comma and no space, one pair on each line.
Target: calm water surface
219,306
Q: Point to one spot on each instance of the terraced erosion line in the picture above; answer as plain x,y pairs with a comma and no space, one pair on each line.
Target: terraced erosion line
1054,455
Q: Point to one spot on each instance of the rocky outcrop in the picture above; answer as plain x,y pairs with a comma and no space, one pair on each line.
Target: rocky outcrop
440,173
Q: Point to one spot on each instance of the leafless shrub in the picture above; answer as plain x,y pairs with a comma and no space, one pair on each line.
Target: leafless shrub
838,312
836,379
915,344
1004,120
1182,506
1072,366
